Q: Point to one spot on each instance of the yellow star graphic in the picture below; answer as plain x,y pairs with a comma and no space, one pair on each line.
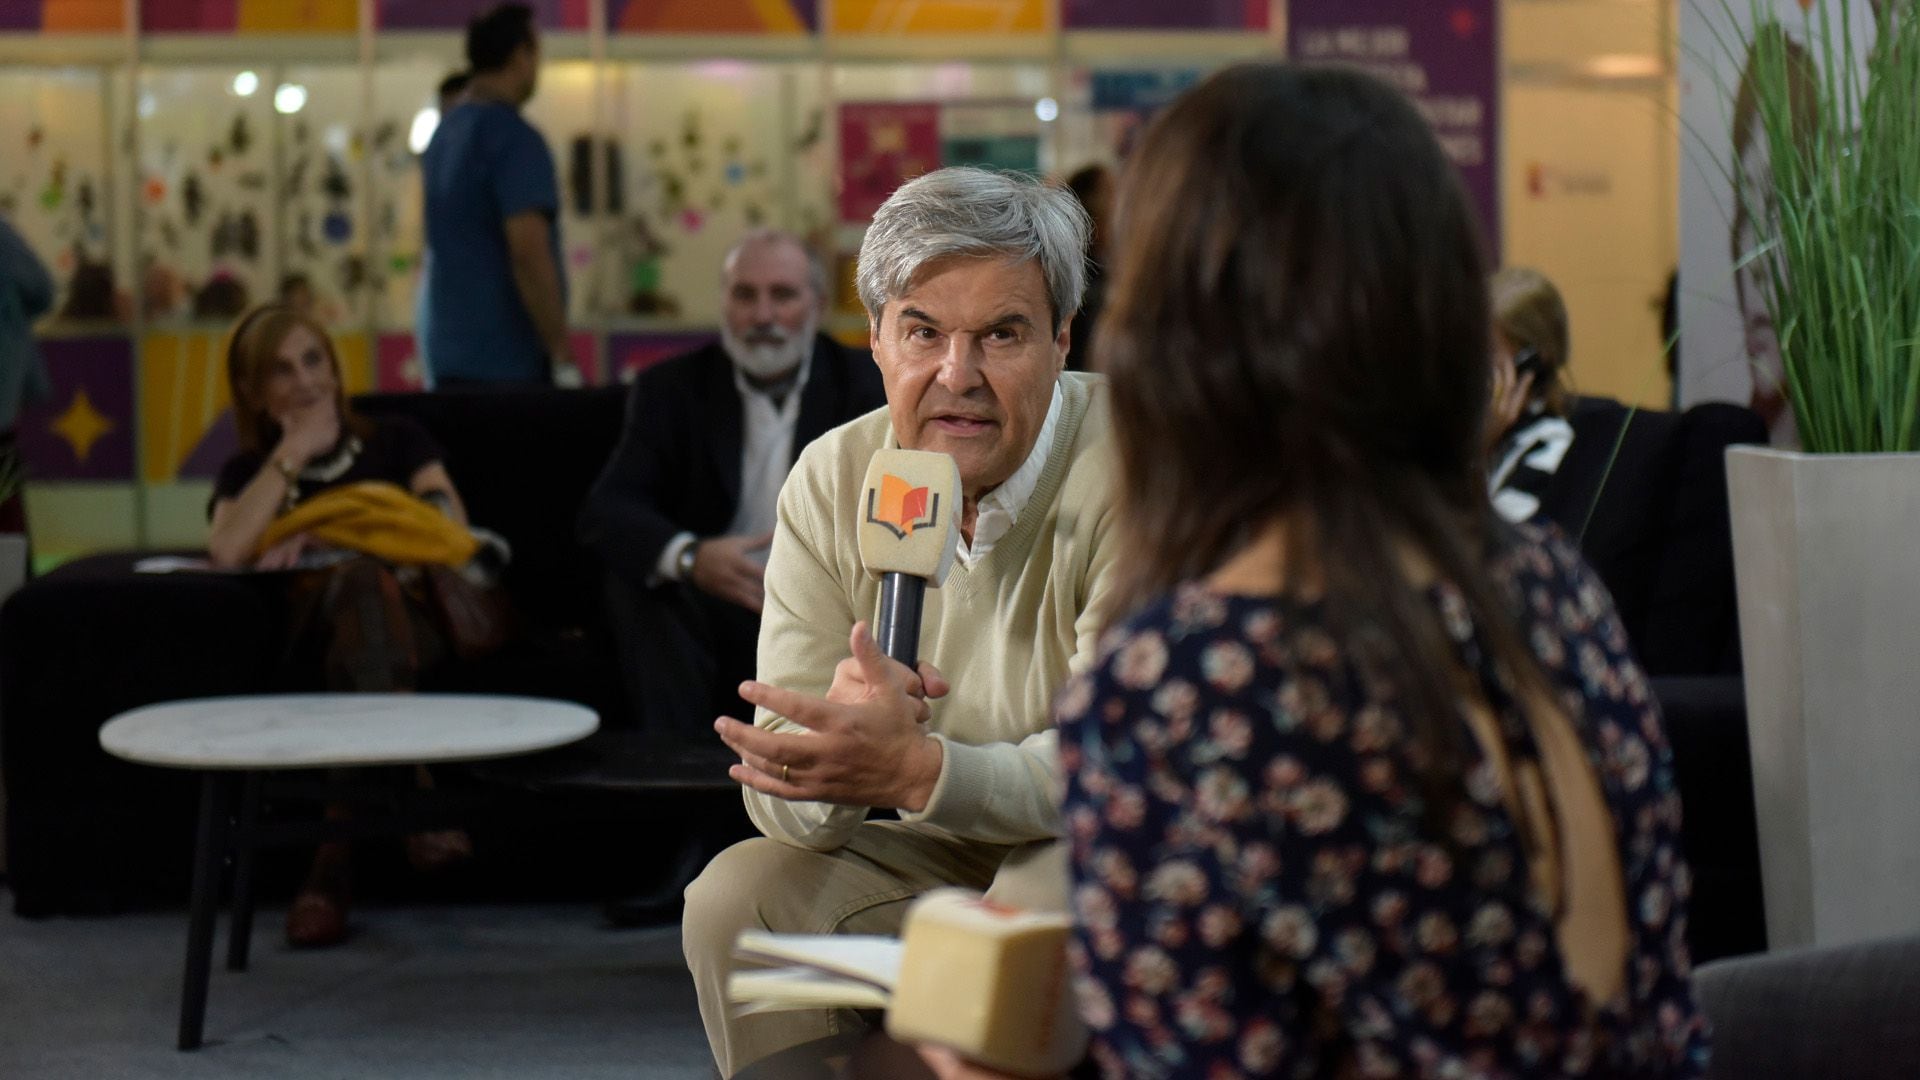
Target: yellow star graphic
889,138
82,425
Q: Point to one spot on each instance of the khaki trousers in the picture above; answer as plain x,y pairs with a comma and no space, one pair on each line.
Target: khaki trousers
861,888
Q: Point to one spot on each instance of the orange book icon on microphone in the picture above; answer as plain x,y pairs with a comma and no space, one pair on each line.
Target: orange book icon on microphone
901,507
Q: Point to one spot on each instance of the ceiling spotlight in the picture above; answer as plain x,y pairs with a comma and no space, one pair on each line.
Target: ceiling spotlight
289,99
425,123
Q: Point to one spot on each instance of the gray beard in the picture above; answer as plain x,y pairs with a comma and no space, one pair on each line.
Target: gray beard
764,360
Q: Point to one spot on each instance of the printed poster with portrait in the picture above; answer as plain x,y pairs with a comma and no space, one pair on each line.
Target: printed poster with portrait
1730,351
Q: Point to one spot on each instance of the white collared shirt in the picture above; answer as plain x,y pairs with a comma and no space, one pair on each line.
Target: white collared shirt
1000,508
1528,459
767,431
766,451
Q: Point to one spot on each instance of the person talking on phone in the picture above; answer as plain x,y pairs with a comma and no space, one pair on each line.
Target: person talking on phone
1528,435
683,513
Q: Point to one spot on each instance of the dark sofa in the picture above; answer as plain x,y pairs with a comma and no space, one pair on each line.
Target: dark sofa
1809,1014
88,833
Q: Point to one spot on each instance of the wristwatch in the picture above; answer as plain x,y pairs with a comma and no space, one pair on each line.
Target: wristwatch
683,566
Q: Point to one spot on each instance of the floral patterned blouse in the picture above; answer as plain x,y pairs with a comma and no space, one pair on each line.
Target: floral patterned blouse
1254,892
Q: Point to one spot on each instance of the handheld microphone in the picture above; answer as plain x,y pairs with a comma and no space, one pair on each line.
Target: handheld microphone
909,533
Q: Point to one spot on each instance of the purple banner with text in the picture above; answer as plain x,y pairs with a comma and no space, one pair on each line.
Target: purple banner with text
1443,53
1164,14
455,14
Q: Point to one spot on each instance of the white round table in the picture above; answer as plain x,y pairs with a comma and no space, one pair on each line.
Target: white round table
232,740
313,731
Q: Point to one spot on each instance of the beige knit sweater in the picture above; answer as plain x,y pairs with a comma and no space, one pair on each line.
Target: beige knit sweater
1006,632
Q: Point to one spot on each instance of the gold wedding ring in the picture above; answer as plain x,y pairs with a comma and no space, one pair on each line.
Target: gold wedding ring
784,770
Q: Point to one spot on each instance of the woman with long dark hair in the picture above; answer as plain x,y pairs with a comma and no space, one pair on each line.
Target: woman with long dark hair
1366,782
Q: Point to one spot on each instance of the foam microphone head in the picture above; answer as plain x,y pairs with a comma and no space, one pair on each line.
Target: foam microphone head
910,514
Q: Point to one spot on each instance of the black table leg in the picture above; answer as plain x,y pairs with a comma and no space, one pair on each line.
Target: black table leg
208,854
240,922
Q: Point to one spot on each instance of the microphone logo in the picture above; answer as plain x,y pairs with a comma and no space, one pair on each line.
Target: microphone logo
902,508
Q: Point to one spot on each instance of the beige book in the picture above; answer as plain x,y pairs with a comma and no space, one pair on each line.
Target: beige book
814,971
987,981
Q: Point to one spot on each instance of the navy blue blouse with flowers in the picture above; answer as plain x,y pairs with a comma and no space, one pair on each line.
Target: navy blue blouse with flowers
1255,892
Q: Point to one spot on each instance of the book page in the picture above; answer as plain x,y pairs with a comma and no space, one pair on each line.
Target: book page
780,989
871,959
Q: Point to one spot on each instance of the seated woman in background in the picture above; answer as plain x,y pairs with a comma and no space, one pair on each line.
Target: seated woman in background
1527,432
368,625
1367,783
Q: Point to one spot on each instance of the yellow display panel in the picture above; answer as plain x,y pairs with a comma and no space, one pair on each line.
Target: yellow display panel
299,16
917,17
184,398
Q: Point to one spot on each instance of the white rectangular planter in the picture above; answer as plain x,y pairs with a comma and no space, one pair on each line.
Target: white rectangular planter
1827,553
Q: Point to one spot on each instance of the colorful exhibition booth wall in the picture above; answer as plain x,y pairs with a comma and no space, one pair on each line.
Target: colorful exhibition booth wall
169,158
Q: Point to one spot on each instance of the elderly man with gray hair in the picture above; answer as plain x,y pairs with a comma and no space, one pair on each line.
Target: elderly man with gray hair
970,279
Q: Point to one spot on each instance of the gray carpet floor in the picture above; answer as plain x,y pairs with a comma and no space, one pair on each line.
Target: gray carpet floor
418,992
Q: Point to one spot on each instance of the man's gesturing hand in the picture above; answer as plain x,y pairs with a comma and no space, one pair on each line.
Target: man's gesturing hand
865,744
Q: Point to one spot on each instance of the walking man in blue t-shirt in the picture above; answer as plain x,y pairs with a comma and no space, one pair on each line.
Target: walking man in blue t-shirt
496,299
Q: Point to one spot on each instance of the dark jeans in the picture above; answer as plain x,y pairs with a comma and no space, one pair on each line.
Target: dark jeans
683,655
463,385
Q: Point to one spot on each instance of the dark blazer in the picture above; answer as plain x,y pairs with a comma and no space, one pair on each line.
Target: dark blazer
677,467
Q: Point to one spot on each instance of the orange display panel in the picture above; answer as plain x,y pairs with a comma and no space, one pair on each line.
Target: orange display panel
916,17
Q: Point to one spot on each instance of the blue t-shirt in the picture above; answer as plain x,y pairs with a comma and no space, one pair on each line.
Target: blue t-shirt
484,165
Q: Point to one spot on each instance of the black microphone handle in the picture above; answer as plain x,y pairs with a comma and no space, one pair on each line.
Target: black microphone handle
903,598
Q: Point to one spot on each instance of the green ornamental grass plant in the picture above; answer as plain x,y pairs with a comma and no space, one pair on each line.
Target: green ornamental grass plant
1833,215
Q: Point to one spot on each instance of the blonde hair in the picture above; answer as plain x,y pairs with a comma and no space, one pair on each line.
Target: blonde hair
1528,312
251,345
